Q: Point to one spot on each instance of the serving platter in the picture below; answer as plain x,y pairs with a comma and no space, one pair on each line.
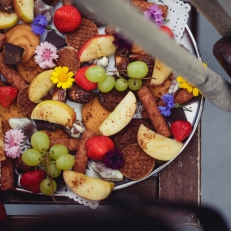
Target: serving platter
193,117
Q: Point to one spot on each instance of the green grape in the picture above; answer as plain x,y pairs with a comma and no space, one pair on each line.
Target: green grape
31,157
107,84
121,84
65,162
95,74
40,141
52,170
57,150
43,161
134,84
48,186
137,69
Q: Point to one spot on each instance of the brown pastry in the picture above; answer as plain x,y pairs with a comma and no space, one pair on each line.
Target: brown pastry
158,120
81,157
11,75
85,31
2,40
11,111
22,35
7,179
29,70
2,153
137,163
182,96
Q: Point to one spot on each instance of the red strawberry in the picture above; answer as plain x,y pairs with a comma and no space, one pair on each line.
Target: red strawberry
67,19
168,31
98,146
7,95
181,129
31,180
82,81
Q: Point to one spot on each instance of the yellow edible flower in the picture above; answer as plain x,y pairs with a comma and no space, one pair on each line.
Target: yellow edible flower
185,84
62,77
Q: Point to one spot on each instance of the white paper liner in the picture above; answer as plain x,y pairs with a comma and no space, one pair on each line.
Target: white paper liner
67,192
178,14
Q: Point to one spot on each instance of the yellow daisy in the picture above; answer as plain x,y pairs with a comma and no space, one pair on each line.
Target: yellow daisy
184,84
62,77
190,88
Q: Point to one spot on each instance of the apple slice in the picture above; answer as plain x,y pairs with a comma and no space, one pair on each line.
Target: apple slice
8,20
120,116
156,145
40,86
160,73
24,9
96,47
87,187
54,112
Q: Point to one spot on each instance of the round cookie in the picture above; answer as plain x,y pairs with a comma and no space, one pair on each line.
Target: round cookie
93,114
68,57
29,69
22,35
128,135
137,164
111,99
85,31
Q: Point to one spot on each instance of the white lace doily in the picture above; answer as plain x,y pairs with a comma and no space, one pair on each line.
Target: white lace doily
178,14
67,192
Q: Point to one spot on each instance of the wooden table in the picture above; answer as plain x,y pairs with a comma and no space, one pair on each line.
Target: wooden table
179,182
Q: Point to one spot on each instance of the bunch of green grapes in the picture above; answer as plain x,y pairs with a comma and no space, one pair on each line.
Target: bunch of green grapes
135,72
53,159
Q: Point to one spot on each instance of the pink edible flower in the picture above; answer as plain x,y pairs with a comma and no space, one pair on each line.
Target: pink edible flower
13,141
45,55
154,13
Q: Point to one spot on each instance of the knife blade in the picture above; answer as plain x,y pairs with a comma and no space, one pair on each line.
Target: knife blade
143,32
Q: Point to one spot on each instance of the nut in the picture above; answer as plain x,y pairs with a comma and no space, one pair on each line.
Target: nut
78,95
59,94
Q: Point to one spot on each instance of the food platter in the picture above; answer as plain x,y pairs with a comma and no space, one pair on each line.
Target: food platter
193,117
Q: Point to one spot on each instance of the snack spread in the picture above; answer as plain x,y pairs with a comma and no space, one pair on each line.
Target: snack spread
79,109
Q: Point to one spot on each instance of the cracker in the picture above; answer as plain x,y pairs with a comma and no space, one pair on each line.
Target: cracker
137,163
85,31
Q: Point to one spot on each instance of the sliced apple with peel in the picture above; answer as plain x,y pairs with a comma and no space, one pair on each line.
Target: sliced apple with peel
160,73
120,116
156,145
40,86
24,9
54,112
8,20
96,47
87,187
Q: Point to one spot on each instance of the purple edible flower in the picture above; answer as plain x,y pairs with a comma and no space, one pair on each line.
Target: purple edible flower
166,111
169,102
40,25
154,13
114,159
